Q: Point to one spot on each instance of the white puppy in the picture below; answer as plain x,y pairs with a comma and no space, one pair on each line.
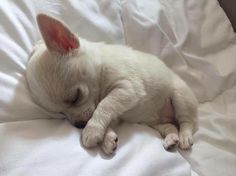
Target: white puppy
96,84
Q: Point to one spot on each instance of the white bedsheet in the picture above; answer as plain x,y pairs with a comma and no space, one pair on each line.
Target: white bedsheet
192,37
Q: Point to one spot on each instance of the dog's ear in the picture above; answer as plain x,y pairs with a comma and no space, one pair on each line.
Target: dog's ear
56,35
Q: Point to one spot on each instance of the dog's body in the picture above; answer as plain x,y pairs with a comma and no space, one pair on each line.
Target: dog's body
98,84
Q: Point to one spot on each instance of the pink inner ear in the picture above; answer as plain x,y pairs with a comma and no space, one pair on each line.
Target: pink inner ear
65,41
56,36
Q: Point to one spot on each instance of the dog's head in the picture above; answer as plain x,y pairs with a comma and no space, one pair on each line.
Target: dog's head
63,72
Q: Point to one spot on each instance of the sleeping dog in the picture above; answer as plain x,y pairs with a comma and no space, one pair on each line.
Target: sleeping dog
95,85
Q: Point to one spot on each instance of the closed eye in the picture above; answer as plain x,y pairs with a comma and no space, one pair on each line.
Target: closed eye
62,113
75,99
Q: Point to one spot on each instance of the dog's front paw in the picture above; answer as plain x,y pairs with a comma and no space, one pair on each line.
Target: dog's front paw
185,141
92,135
170,141
109,143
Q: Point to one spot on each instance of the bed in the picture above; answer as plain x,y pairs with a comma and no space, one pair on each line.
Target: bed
194,38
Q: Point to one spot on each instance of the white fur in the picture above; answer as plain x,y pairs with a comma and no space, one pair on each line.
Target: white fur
117,82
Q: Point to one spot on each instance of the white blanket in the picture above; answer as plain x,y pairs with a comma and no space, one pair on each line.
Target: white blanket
192,37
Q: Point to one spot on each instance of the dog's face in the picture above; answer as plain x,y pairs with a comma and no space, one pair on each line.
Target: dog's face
62,75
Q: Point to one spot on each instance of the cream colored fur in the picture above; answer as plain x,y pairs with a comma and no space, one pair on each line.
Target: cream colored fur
115,83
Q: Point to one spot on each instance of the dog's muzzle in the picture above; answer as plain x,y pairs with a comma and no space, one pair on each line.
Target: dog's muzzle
80,124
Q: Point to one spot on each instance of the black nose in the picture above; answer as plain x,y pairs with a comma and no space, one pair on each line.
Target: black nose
80,124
